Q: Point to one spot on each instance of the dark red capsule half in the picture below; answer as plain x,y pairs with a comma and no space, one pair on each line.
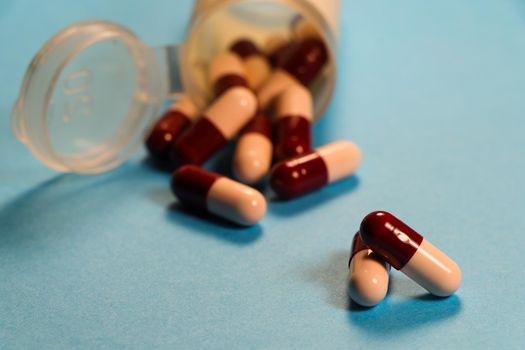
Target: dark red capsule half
191,185
228,81
293,137
164,134
245,48
198,143
279,56
357,246
260,124
294,177
389,237
306,60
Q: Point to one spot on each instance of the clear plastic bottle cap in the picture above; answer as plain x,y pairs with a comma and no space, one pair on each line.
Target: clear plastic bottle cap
88,97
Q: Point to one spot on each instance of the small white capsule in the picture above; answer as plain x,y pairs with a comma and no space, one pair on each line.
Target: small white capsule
218,194
367,276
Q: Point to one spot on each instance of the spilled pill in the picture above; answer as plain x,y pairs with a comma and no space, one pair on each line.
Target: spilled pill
218,195
327,164
407,251
367,275
292,129
253,151
219,123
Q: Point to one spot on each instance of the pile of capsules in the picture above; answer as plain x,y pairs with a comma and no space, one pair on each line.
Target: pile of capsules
264,99
383,241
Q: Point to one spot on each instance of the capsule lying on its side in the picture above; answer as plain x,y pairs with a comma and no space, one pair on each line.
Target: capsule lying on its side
218,194
277,49
407,251
367,275
169,127
253,151
219,123
292,127
226,70
255,62
329,163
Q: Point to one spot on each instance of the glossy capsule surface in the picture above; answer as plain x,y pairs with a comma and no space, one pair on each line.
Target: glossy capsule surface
367,275
255,62
218,195
226,70
222,120
302,65
407,251
253,151
168,128
327,164
292,127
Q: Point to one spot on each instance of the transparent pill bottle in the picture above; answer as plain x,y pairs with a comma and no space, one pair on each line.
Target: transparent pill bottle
93,91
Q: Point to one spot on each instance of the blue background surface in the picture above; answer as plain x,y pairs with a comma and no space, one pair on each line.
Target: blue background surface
433,92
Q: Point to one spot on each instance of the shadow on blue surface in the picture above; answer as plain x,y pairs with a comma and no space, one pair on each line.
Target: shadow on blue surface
203,222
393,317
314,199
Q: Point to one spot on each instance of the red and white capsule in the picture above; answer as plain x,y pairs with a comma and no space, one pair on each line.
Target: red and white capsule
253,151
367,275
329,163
302,65
219,123
226,70
255,62
293,124
218,195
175,120
407,251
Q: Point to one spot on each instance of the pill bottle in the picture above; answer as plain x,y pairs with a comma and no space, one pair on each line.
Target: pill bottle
93,91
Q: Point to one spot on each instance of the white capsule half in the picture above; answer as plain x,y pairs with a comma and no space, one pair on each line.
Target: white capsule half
342,158
185,106
232,110
236,202
253,157
296,101
257,70
433,270
368,278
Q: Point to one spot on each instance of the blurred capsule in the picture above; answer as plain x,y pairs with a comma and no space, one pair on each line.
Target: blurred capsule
255,62
226,70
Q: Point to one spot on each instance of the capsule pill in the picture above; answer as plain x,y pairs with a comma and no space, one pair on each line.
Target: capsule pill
292,129
255,62
253,151
226,70
329,163
302,65
219,123
218,195
367,275
407,251
169,127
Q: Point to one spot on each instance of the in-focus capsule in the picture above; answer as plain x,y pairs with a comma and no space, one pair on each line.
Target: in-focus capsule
407,251
302,65
255,62
329,163
292,127
168,128
253,151
218,194
367,275
226,70
219,123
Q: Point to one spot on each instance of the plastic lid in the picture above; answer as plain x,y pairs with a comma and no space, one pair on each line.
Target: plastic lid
88,97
